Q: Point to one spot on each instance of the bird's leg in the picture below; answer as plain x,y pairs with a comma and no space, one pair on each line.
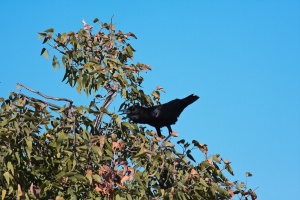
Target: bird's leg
158,131
170,129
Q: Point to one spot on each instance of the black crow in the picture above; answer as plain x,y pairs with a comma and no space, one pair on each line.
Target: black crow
160,115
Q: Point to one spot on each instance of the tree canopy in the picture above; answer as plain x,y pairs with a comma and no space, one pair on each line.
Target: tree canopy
72,152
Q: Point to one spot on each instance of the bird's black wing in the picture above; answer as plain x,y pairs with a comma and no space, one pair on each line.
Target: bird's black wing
170,111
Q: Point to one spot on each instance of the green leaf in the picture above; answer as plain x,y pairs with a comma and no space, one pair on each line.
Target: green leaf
216,158
55,63
97,150
29,144
79,177
89,177
49,30
3,194
109,153
128,197
129,50
96,20
229,169
6,175
41,35
61,109
168,144
10,167
18,157
60,175
248,174
118,197
181,195
61,137
43,50
97,178
190,156
127,125
140,153
45,53
182,141
156,94
202,181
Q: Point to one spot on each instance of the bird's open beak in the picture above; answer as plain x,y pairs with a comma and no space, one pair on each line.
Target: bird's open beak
125,111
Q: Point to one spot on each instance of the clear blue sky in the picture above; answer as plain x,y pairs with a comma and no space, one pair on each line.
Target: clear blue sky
241,57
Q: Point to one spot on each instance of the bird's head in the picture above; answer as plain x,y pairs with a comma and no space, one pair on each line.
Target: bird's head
132,112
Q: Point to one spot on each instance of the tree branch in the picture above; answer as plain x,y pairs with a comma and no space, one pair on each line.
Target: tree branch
44,102
45,96
74,139
111,95
56,47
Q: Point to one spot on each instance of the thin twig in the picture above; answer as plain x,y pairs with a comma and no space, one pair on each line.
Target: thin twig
89,151
165,140
110,31
56,47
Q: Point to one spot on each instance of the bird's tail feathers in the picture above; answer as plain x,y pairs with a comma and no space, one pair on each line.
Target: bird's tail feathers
190,99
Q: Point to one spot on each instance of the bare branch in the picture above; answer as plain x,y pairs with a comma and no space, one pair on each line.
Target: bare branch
45,96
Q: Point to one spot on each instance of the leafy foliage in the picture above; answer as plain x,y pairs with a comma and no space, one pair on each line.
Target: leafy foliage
51,152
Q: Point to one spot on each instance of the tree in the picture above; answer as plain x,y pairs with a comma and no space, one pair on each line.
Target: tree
72,152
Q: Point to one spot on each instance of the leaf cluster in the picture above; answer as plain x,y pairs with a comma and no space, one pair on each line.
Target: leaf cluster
93,61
